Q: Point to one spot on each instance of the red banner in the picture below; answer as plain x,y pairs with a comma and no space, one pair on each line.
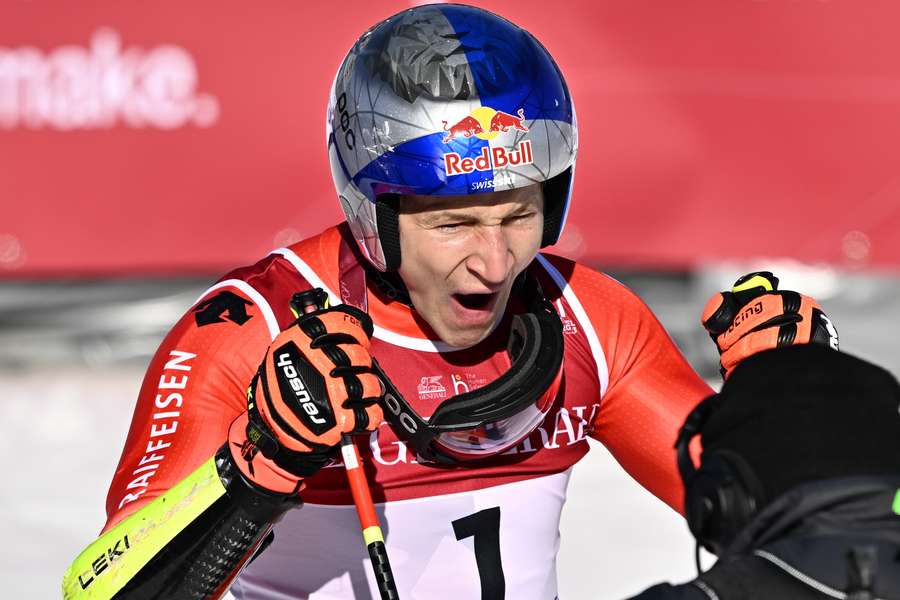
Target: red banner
173,137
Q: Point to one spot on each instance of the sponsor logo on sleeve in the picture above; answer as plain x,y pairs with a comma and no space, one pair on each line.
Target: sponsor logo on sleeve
172,392
229,304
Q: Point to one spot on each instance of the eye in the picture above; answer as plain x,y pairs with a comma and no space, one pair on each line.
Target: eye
523,218
454,225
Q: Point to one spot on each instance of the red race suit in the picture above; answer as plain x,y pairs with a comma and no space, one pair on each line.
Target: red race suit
447,530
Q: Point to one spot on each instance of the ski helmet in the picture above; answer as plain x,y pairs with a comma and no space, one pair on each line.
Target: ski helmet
446,99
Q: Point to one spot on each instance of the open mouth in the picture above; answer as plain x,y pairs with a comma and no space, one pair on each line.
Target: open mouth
474,301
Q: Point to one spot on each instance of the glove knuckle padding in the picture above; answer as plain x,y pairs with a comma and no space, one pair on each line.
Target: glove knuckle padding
806,324
341,321
375,417
718,312
371,385
751,343
354,355
371,391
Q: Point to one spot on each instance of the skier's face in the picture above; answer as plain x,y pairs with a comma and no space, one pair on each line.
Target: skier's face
461,254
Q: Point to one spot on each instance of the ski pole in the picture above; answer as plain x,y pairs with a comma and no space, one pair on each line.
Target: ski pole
310,301
368,520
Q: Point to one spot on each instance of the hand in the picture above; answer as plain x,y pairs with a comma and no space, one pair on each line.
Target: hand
755,316
314,385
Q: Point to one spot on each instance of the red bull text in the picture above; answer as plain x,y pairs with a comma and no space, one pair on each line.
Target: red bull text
489,159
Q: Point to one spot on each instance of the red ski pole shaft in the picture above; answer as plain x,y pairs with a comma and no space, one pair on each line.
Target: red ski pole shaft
311,301
368,520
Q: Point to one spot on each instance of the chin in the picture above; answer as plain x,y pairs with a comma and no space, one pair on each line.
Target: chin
465,337
465,340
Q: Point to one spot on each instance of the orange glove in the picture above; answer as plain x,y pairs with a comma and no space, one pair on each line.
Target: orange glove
755,316
314,385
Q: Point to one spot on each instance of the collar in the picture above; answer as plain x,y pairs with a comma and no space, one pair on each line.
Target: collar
388,285
847,505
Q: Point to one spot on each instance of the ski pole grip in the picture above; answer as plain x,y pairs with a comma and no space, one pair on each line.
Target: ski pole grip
309,301
753,285
382,568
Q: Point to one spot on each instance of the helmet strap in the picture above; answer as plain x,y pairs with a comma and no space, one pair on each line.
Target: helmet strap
389,284
556,194
386,213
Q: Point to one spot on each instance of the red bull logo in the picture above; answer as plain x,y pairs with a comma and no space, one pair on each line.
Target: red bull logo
485,123
466,128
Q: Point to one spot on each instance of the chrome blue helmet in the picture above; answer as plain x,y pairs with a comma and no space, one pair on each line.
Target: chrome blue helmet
446,99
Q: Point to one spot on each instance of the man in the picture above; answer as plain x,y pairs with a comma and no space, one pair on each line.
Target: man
798,490
452,140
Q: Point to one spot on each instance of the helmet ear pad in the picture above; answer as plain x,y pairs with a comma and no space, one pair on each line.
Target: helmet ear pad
557,192
722,497
387,207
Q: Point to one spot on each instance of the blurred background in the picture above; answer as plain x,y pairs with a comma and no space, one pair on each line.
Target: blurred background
145,149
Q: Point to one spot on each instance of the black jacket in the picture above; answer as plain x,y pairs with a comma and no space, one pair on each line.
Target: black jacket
818,541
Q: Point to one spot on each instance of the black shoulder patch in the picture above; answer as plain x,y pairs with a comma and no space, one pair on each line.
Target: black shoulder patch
210,311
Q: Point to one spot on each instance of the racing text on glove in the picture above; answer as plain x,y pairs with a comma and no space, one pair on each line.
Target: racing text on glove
756,316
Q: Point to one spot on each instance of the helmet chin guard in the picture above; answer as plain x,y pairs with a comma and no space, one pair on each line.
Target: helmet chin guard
490,420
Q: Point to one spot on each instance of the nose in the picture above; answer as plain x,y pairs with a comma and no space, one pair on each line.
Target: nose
491,259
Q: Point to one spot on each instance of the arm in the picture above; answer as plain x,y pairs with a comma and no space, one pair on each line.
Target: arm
189,542
651,389
194,388
314,385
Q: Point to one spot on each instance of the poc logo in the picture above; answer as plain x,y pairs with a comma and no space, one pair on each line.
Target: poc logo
407,421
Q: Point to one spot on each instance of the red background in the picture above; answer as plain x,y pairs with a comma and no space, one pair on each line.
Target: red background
709,129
